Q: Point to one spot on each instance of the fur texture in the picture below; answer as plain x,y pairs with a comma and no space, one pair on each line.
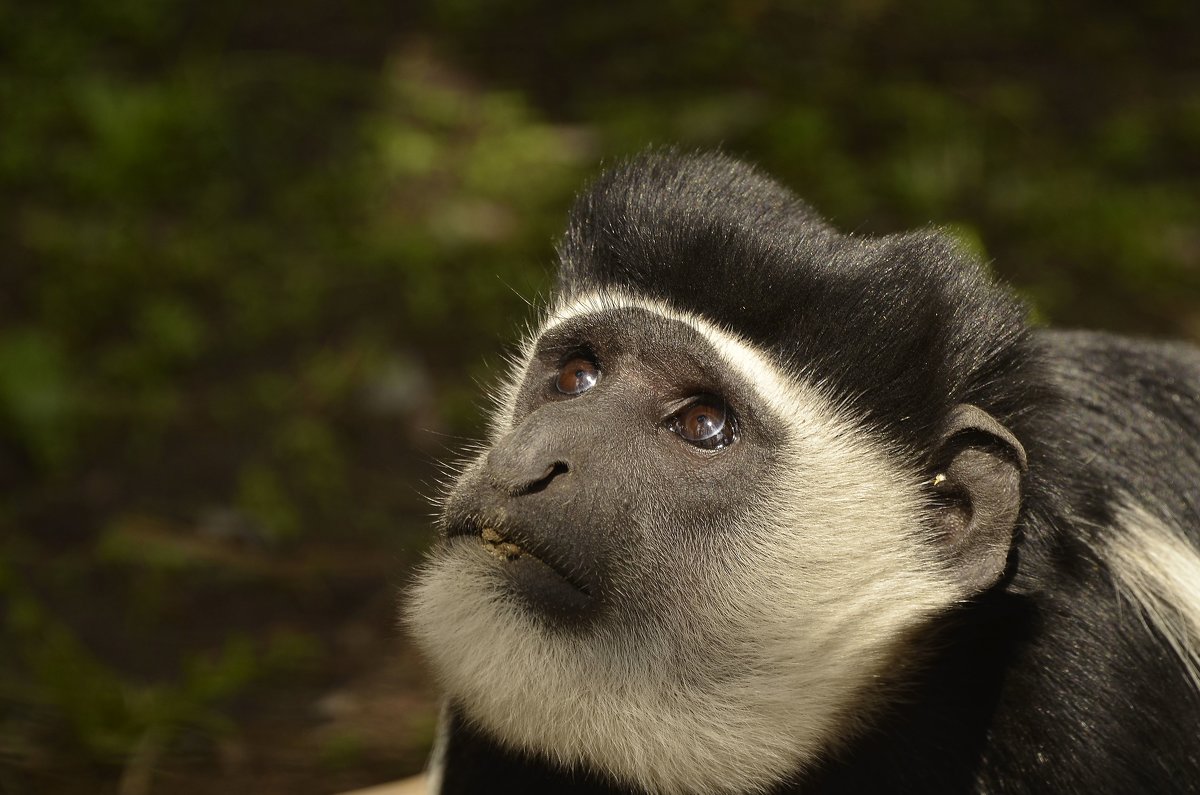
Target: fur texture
820,644
1159,572
755,667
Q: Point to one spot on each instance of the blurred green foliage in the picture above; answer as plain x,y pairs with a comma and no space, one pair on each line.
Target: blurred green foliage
251,256
1066,137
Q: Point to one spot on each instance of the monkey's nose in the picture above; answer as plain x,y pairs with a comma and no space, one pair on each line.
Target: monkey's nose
539,451
551,472
517,481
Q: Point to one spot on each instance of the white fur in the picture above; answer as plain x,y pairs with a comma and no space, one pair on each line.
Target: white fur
437,760
768,645
1159,571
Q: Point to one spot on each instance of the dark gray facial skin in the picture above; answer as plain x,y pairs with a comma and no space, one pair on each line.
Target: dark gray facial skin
609,504
687,620
874,588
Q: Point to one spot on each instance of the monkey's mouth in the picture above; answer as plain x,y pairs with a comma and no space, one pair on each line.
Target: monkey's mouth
500,547
541,577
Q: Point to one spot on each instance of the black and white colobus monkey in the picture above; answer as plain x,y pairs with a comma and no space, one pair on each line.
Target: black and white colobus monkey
771,509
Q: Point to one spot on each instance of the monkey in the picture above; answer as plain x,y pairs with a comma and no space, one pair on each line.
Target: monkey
768,508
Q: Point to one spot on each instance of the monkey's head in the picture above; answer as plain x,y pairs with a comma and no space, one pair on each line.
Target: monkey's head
741,461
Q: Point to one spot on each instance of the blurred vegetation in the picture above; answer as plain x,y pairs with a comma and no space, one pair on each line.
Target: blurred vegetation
255,259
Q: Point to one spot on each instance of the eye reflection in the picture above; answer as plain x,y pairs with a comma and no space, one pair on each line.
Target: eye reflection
576,376
705,424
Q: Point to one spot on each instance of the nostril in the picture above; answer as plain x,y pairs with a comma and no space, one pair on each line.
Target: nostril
552,471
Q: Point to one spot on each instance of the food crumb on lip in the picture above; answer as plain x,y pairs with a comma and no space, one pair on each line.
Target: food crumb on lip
495,544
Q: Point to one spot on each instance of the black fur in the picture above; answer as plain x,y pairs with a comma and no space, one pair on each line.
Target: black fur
904,326
1047,683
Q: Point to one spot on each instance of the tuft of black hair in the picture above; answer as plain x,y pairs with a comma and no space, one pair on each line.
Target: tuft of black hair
900,327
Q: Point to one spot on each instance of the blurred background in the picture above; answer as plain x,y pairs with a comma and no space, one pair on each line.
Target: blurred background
255,258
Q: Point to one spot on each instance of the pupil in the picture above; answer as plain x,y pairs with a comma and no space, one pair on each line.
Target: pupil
706,423
576,376
705,426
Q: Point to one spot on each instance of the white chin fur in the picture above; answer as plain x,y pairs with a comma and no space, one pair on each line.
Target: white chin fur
755,666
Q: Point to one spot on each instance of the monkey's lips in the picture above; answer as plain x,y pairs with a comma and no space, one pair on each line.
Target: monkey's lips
501,548
531,569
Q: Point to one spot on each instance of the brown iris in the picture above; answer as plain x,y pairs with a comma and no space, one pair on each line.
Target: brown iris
705,423
577,375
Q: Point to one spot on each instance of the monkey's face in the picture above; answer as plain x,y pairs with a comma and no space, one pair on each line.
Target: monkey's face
672,562
619,478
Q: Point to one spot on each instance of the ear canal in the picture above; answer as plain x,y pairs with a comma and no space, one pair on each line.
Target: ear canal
977,488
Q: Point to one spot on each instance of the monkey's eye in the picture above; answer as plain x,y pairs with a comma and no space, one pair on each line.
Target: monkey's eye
705,423
577,375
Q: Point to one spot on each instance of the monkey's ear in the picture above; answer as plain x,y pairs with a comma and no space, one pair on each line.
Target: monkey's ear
977,489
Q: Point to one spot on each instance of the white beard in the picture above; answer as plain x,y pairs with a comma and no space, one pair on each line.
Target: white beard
759,658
